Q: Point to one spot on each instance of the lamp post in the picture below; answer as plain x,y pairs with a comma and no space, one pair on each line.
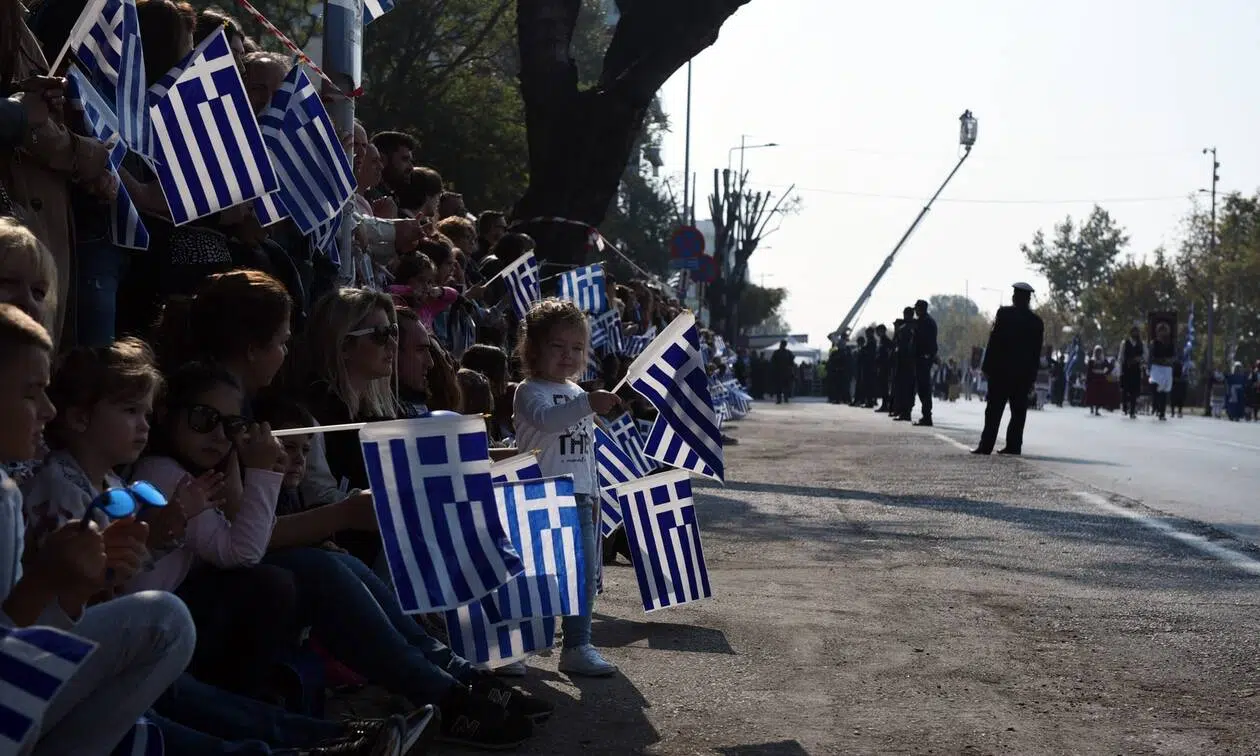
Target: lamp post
743,146
966,139
1208,356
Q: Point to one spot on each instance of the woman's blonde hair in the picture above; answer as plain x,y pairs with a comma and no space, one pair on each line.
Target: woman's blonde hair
20,250
537,326
332,318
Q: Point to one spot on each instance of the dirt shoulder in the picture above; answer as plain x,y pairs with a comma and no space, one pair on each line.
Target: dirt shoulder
878,591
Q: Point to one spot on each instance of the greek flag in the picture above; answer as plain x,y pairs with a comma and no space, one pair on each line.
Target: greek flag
635,345
125,226
475,638
374,9
626,432
739,400
34,663
664,539
720,398
106,40
315,176
210,151
545,524
515,469
521,278
1074,356
585,288
444,540
593,371
324,238
606,331
144,739
669,374
269,209
613,466
1187,354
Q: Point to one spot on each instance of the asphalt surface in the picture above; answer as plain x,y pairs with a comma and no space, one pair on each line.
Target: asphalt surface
1199,468
878,591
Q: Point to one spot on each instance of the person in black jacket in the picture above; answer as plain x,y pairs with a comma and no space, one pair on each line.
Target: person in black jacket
1010,364
925,358
1132,355
903,389
883,366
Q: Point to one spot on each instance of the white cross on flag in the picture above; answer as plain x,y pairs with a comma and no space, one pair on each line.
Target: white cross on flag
486,644
664,539
585,287
544,522
444,539
515,469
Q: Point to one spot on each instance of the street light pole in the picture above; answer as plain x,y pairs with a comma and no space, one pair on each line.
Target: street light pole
686,206
742,147
1209,360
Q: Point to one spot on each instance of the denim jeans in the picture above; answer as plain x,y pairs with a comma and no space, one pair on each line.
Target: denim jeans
358,619
99,268
190,709
144,641
577,630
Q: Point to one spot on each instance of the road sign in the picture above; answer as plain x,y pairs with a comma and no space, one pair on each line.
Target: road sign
686,243
689,263
706,271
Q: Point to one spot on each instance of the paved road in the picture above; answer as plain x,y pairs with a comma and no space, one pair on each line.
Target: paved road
878,592
1199,468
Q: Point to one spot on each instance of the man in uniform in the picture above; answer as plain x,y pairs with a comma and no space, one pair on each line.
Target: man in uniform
883,360
903,391
1010,364
782,365
925,358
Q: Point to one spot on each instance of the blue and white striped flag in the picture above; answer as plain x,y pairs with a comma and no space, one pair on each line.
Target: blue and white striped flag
593,370
718,392
210,151
143,739
106,40
669,374
125,227
521,277
324,238
585,288
1187,353
374,9
444,540
606,331
269,209
613,466
626,432
545,524
35,662
475,638
635,345
315,176
739,401
515,469
644,426
664,539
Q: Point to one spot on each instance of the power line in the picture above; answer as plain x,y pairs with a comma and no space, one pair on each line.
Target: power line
974,201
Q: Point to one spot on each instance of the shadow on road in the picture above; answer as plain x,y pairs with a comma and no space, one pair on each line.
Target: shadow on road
1068,460
781,748
616,633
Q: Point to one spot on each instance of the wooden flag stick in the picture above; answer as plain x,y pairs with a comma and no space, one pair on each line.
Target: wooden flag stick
312,430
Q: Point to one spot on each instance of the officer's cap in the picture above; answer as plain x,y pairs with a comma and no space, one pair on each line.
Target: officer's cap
1021,286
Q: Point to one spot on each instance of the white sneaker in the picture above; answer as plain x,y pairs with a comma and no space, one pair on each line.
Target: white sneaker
585,661
515,669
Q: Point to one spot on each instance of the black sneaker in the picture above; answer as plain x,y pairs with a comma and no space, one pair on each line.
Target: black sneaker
417,727
512,700
477,723
386,742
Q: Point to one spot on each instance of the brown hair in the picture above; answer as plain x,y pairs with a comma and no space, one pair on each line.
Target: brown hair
86,376
230,313
161,22
422,184
490,361
538,324
210,19
17,330
475,388
461,232
21,250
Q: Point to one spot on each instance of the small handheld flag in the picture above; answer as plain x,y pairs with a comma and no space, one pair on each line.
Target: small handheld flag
35,662
585,288
664,538
488,645
516,469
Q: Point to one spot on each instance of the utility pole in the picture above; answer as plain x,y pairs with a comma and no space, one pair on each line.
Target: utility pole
1208,356
686,207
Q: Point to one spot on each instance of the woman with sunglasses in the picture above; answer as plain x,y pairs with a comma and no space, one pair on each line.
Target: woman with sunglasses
244,611
351,352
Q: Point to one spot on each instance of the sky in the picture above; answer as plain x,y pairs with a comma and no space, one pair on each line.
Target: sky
1108,102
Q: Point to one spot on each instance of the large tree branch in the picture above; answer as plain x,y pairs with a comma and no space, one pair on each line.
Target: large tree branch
473,46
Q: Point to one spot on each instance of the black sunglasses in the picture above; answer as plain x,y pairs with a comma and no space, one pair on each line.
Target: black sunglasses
203,419
380,335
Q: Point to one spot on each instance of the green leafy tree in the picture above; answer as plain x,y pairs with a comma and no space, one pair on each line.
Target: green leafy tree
1230,274
959,325
1134,289
760,308
1077,258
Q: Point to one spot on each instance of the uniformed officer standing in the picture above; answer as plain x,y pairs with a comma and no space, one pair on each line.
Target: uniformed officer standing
925,358
1010,364
883,367
903,393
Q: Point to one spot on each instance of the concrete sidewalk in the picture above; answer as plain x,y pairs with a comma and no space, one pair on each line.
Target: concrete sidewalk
879,591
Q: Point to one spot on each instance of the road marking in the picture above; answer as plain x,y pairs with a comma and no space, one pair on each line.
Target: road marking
952,442
1238,444
1229,556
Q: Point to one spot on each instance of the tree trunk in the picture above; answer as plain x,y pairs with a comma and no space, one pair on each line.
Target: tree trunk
581,141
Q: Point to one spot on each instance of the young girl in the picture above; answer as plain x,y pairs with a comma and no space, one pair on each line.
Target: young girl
104,398
553,414
416,285
244,616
